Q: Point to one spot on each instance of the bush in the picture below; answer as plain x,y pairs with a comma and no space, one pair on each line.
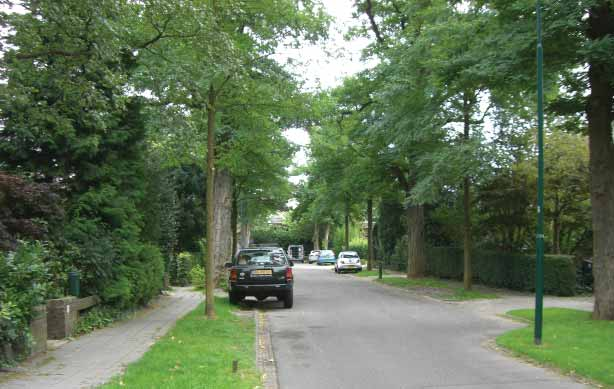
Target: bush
183,264
138,280
282,236
197,277
95,318
25,284
505,270
359,246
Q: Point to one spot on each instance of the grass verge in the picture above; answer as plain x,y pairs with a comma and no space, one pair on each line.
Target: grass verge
441,289
198,353
572,342
369,273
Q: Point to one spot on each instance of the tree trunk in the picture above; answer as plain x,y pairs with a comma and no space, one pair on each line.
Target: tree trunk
209,274
316,236
325,237
246,232
601,145
346,243
556,235
416,262
234,222
222,220
467,273
371,256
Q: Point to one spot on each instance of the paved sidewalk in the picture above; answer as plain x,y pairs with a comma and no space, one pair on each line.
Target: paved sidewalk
93,359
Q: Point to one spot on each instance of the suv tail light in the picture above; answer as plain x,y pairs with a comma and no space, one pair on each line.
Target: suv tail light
233,274
289,275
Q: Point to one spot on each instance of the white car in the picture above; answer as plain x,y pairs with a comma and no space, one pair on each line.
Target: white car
313,256
348,261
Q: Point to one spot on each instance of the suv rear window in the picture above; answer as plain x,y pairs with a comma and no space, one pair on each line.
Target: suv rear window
260,257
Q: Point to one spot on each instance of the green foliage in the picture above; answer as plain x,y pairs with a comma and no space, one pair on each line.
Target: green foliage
137,280
506,270
26,282
197,277
96,318
283,236
181,267
389,227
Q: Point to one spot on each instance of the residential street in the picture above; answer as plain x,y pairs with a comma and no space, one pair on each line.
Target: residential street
345,332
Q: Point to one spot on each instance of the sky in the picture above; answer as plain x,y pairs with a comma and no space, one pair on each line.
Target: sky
325,65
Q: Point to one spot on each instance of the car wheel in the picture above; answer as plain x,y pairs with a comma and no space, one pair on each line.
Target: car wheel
233,298
289,300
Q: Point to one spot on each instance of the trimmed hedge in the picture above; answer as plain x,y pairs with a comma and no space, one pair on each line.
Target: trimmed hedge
505,270
360,247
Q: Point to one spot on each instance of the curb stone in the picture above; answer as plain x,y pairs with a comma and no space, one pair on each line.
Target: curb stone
265,359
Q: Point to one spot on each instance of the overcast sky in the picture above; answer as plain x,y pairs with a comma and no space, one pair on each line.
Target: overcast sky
325,65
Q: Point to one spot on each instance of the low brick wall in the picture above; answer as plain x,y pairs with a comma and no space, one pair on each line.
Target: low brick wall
62,315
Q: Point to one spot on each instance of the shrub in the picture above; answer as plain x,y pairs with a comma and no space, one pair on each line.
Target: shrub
183,264
97,317
359,246
197,277
137,280
505,270
25,284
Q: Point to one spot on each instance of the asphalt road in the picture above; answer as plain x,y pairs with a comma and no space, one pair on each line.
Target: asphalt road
345,332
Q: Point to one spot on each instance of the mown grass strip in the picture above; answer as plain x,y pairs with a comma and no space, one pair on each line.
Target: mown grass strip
403,282
449,291
369,273
461,294
572,342
198,353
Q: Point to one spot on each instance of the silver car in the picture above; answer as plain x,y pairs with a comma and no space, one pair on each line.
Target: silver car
313,256
348,261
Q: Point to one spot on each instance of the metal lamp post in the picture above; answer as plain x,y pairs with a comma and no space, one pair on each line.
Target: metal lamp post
539,265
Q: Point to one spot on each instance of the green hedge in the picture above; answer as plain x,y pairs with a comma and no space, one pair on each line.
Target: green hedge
505,270
25,282
360,247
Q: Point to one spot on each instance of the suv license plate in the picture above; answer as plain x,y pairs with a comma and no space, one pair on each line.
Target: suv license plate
261,273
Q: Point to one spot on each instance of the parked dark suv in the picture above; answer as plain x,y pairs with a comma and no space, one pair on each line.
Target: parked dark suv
261,272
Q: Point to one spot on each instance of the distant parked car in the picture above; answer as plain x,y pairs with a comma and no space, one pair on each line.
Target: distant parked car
348,261
313,256
326,257
261,272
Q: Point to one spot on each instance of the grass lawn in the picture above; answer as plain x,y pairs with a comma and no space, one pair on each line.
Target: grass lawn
571,341
370,273
445,289
198,353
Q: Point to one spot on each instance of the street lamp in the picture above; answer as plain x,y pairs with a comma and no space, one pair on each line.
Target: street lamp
539,265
